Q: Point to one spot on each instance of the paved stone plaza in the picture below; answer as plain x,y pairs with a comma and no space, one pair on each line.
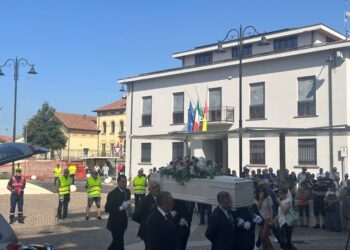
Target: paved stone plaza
76,233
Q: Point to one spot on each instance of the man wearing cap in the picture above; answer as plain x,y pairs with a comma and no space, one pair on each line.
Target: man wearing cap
93,188
57,173
16,186
63,188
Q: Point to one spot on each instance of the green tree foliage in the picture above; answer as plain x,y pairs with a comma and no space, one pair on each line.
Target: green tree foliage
43,129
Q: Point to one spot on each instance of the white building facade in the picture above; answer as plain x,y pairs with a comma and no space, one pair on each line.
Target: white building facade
290,90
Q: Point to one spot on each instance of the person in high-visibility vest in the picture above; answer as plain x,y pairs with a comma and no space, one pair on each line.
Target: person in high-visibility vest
57,173
139,184
16,186
93,189
72,169
63,188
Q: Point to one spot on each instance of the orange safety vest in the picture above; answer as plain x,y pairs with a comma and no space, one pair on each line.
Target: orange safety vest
17,186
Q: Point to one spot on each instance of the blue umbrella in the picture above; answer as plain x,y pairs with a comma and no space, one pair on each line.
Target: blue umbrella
15,151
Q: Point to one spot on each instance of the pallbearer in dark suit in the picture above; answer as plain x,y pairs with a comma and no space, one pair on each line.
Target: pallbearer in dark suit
118,201
246,218
221,229
184,213
145,207
161,228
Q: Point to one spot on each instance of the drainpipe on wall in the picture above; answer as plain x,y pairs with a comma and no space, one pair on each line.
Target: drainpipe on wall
331,63
130,90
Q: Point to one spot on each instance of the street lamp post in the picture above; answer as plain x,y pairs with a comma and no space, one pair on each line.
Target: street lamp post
16,63
240,34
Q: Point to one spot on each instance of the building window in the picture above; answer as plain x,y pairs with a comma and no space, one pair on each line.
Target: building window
121,125
247,50
307,152
204,58
290,42
178,150
145,152
306,96
112,149
103,151
257,152
104,127
112,127
178,108
147,111
257,100
215,104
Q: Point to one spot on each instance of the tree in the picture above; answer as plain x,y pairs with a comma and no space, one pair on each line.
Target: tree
44,130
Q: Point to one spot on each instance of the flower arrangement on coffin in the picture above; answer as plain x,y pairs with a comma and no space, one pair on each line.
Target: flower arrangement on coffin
184,169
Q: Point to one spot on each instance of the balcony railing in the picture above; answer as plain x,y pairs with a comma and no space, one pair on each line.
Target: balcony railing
222,114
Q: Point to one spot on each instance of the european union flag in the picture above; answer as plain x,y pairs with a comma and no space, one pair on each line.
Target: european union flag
190,119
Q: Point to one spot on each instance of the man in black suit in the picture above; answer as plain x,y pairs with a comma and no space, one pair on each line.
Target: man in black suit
145,207
160,225
118,201
221,229
184,213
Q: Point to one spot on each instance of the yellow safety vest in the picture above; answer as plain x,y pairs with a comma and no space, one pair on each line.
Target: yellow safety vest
140,184
94,186
65,185
72,169
18,167
57,172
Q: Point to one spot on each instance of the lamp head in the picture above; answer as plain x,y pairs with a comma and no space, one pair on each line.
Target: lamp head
122,89
1,73
220,49
263,41
32,71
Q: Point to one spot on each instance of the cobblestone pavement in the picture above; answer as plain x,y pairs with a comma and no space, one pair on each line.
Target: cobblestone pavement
76,233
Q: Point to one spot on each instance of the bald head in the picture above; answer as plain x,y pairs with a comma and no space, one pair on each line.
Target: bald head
153,187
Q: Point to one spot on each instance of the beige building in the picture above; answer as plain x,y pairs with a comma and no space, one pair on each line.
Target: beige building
288,106
81,133
111,122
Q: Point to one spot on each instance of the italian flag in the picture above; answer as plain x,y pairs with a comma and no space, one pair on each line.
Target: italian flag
197,117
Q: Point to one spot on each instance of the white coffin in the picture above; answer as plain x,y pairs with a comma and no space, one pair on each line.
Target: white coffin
205,190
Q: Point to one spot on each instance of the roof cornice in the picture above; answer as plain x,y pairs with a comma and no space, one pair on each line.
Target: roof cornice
257,38
258,58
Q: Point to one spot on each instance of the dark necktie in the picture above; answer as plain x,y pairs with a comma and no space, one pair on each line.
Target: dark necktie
230,218
168,217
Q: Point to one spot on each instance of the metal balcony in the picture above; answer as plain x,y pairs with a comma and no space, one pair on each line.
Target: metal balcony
221,114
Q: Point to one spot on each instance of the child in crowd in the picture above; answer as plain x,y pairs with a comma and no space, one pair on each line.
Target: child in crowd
303,195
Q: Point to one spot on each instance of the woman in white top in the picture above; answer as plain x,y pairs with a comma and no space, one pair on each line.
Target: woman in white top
264,204
286,230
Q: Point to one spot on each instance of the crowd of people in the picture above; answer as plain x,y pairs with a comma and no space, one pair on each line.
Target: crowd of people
281,202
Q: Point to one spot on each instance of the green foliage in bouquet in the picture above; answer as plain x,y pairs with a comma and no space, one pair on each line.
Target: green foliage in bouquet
183,170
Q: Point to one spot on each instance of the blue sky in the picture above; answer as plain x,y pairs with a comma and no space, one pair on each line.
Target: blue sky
81,47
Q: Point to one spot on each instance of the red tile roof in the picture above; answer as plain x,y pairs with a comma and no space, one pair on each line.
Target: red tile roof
118,105
4,138
77,121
